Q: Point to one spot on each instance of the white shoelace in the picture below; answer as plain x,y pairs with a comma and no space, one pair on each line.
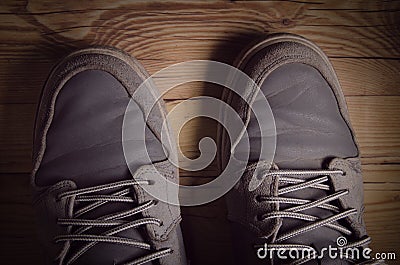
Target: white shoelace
289,183
116,221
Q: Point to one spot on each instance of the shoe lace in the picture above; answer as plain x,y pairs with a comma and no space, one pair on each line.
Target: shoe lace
116,222
316,179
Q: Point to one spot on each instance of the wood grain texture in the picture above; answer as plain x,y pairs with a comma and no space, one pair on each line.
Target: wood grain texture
362,39
200,26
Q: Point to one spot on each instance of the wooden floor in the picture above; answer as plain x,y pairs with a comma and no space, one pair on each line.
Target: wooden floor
361,37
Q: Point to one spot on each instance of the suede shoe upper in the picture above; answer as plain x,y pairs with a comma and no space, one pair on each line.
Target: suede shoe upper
90,205
313,193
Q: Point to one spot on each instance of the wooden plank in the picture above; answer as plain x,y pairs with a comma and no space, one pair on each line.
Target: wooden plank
354,5
17,221
379,137
207,230
380,160
358,78
19,6
16,135
382,209
376,121
368,77
195,181
165,31
381,173
39,33
382,186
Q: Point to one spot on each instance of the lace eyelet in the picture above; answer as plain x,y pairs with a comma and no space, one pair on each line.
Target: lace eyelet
258,198
259,218
161,223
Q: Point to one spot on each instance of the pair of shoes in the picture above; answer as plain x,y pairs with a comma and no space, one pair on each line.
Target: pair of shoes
92,207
